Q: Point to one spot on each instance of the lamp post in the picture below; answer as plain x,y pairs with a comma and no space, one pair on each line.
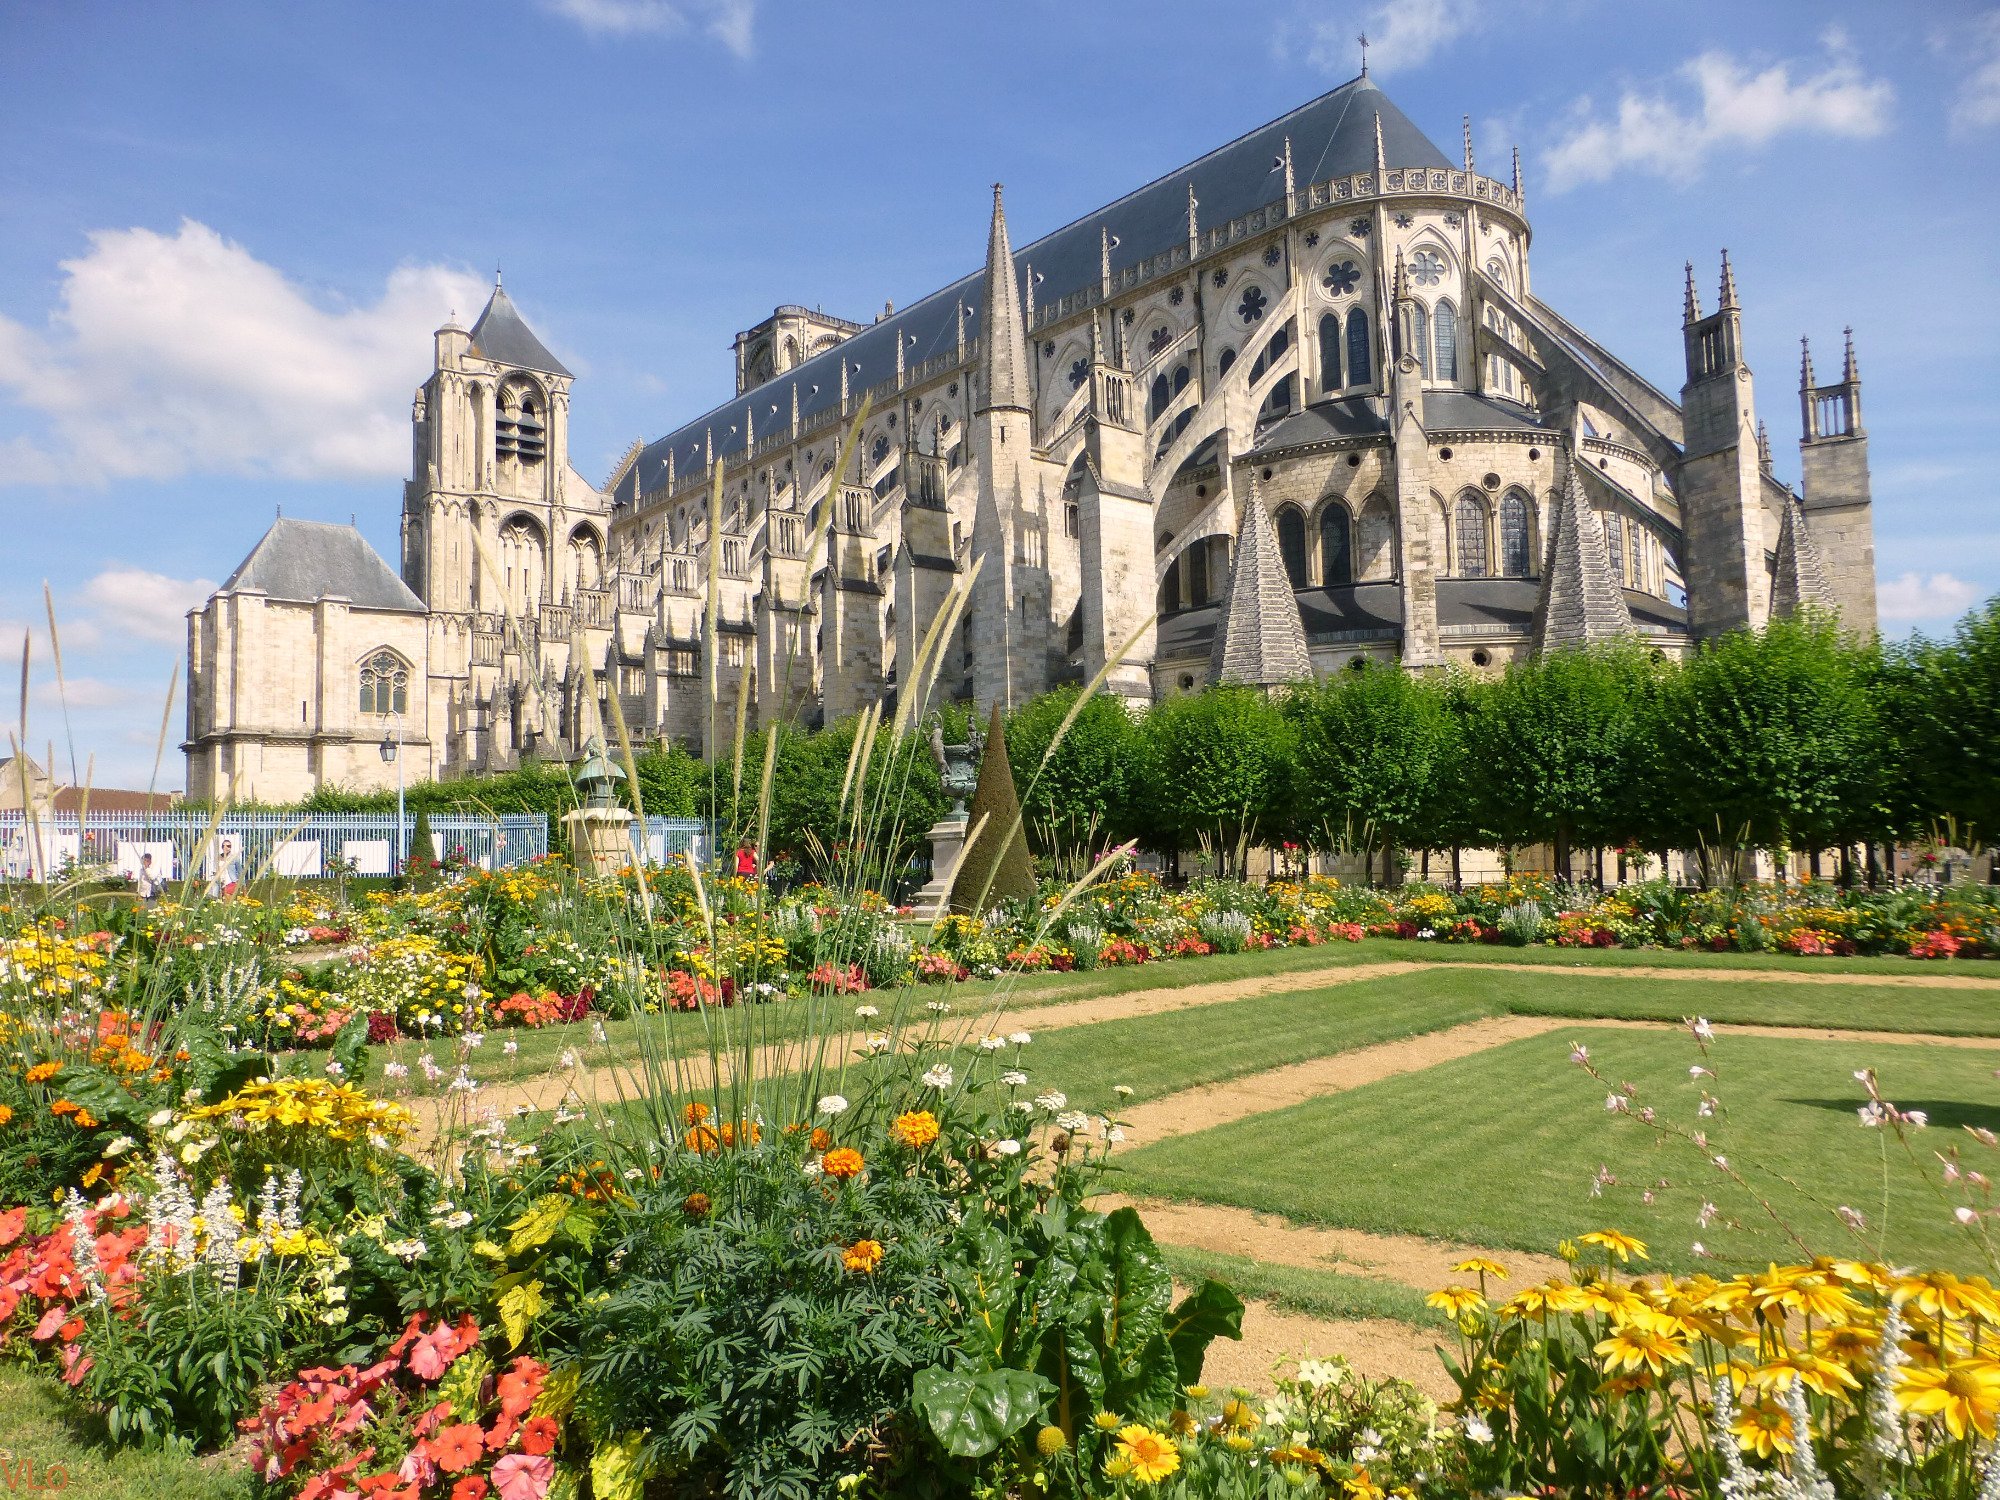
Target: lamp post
392,752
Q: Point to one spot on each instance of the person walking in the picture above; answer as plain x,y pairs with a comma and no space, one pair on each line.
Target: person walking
147,883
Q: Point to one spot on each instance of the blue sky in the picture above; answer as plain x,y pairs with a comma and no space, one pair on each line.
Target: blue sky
226,231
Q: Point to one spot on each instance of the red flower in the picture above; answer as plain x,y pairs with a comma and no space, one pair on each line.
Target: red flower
520,1385
524,1476
539,1434
12,1223
457,1448
471,1487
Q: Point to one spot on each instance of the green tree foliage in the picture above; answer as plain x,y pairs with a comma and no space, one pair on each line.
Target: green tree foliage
1374,746
1555,741
1945,705
995,866
1214,771
1770,740
1077,801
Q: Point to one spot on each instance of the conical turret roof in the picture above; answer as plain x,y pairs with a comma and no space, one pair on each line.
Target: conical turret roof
503,336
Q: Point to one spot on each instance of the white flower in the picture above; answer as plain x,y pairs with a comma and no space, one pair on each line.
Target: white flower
938,1007
1073,1119
1021,1107
1579,1054
1007,1148
597,1031
511,1047
334,1070
1114,1134
878,1044
1427,934
992,1043
1703,1032
832,1104
568,1058
1014,1078
159,1119
938,1077
1852,1218
813,1168
475,1039
1476,1430
1052,1100
1917,1118
1616,1104
119,1145
456,1219
406,1250
1314,1373
1122,1090
866,1012
1965,1215
1020,1038
1872,1115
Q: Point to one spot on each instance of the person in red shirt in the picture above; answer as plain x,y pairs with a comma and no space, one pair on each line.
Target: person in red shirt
746,862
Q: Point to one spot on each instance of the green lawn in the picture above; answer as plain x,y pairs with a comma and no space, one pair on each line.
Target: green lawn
1500,1148
47,1444
1374,950
1317,1294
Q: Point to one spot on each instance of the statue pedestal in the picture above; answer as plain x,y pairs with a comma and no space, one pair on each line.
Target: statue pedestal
600,839
947,837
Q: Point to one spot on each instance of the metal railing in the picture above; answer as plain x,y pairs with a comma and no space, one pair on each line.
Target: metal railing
244,846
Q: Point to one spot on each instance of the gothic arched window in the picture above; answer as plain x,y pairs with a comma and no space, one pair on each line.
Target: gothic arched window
1156,403
385,684
1336,545
1329,352
1445,336
880,451
1471,529
1614,541
1170,588
1197,561
1377,539
1222,366
1292,543
1420,336
1360,366
1514,550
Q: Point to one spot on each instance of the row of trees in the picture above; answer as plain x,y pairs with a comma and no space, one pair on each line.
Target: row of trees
1792,738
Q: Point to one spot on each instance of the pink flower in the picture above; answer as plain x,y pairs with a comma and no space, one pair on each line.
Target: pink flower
523,1476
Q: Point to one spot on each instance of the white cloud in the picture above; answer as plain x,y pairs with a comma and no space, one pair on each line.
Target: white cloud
1664,133
1913,597
730,22
151,606
1401,34
1977,106
183,353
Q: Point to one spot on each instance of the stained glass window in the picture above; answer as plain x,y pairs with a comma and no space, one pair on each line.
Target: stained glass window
1444,336
1329,352
1471,529
1514,562
1360,367
1336,552
385,684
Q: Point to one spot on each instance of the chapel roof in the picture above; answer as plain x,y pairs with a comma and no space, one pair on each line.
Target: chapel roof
306,561
503,336
1331,136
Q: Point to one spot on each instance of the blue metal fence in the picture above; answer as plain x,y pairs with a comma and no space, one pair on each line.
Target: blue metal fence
661,841
245,846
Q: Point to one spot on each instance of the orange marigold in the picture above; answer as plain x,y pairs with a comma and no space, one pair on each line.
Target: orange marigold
916,1129
842,1161
696,1205
64,1107
701,1138
694,1114
6,1113
42,1072
862,1257
822,1138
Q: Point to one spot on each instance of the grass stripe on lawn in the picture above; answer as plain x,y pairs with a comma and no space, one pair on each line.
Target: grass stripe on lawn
1317,1294
1501,1148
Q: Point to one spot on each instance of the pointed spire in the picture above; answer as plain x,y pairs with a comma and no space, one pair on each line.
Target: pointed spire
1194,229
1003,345
1291,181
1468,145
1763,446
1517,171
1260,640
1096,339
1806,381
1800,579
1691,303
1400,284
670,471
1581,602
1104,258
1728,285
1381,153
1028,298
1850,371
795,408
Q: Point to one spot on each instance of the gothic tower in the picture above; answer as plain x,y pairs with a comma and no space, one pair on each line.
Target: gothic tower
1837,504
1720,488
1414,509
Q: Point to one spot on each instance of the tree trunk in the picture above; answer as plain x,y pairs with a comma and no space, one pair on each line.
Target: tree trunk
1812,863
1562,855
1457,876
1426,876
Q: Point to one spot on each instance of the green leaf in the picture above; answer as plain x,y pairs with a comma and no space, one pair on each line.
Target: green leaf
350,1046
538,1225
520,1304
615,1471
972,1415
1211,1311
98,1092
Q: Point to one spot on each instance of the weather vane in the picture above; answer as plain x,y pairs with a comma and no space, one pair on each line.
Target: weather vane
1363,39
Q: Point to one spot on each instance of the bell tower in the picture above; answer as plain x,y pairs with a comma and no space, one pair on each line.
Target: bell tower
1838,501
1719,482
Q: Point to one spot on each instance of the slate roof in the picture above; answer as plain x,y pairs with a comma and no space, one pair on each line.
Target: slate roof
1581,601
502,335
1800,581
1332,136
1363,416
305,561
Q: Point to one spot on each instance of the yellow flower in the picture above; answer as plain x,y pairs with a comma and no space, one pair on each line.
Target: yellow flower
1813,1371
1633,1346
1240,1415
1851,1344
1622,1245
1479,1265
1966,1394
862,1257
1150,1455
1456,1301
1108,1421
1050,1441
1762,1430
916,1129
1939,1293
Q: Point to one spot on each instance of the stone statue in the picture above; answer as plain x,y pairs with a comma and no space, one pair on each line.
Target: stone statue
957,764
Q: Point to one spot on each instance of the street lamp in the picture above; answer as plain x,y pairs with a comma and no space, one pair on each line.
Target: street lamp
392,752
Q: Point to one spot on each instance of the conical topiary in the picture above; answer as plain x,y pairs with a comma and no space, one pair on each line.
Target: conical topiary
420,864
996,868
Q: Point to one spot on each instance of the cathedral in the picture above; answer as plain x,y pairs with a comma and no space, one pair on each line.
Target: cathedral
1289,408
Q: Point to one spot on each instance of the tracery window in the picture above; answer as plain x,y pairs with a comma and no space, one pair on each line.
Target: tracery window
1514,560
1420,335
1341,278
1471,530
385,684
1444,336
1426,267
1292,543
1336,551
1360,366
1251,308
1614,541
1329,352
